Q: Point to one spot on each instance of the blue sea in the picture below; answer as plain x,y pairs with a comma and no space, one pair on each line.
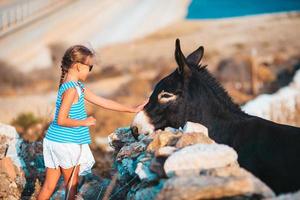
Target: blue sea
211,9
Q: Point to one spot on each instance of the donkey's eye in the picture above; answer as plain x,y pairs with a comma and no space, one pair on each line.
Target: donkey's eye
164,97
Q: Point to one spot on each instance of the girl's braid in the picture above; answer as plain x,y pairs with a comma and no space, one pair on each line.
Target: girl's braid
65,64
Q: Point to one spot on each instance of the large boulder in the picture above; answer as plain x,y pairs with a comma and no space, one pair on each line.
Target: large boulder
12,175
244,186
11,139
197,157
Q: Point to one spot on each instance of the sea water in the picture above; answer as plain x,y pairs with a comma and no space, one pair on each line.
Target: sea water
210,9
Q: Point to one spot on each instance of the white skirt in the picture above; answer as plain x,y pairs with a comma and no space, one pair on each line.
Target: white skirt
67,155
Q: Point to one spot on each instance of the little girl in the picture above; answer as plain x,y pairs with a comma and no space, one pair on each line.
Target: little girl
66,144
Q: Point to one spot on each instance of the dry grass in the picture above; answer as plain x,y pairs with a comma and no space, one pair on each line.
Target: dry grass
11,79
30,127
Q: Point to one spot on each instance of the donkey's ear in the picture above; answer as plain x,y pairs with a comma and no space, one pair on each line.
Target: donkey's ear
195,57
183,68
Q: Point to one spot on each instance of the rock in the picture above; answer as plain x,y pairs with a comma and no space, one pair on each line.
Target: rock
12,178
31,155
213,187
146,140
141,136
288,196
157,166
163,138
173,130
165,151
191,127
144,157
10,137
8,188
232,169
148,193
193,138
194,158
7,166
132,150
37,188
127,167
121,137
92,187
144,173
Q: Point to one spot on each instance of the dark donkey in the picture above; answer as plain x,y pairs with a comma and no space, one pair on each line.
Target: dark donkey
269,150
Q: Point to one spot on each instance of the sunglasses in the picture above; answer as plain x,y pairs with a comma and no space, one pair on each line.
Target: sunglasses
90,66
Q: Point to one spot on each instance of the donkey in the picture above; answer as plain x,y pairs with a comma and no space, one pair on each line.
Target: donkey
269,150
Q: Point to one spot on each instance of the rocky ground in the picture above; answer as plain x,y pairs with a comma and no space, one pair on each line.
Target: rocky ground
173,164
181,164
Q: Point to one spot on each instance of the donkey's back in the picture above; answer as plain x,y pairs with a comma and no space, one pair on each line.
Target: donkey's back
271,151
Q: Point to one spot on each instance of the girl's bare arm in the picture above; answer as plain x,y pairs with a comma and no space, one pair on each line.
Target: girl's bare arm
109,104
67,100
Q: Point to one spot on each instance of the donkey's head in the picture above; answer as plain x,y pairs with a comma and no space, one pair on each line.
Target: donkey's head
189,93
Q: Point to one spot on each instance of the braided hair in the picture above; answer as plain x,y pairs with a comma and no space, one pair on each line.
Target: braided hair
75,53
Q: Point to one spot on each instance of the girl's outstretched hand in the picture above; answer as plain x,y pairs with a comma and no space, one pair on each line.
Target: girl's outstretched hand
90,121
140,107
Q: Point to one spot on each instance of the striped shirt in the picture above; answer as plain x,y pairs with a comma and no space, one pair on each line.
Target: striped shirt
65,134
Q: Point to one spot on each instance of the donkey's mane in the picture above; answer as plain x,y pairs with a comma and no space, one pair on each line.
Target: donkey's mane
219,91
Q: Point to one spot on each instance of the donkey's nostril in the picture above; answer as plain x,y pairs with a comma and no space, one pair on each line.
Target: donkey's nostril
134,129
142,122
135,132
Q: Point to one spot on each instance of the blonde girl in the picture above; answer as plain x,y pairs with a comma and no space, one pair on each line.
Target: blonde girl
66,144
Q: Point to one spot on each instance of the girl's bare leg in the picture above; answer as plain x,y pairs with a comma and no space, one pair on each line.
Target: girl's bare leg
67,180
52,176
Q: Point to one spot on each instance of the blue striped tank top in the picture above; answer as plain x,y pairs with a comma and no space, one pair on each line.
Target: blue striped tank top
64,134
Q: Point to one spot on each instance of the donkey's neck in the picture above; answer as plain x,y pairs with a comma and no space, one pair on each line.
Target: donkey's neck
215,116
221,122
212,106
216,91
